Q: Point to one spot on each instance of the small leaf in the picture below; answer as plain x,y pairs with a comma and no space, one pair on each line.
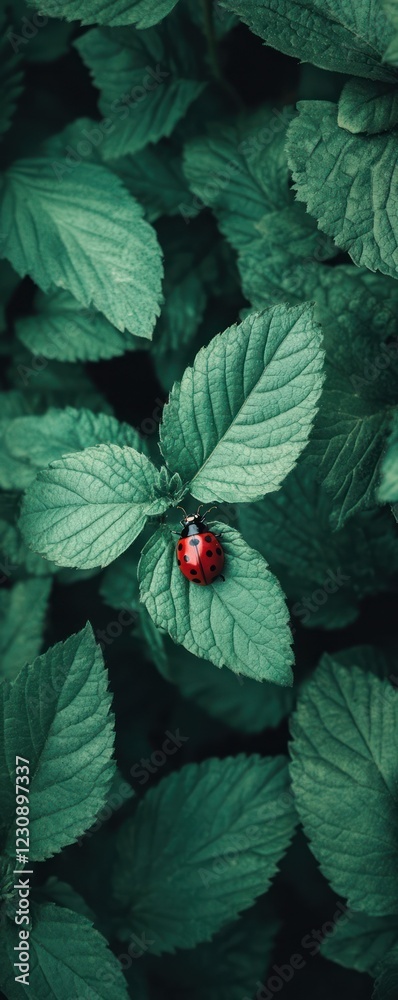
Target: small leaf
108,256
388,489
57,716
344,766
237,422
211,864
155,177
88,507
369,107
23,609
356,211
241,622
30,443
147,80
85,967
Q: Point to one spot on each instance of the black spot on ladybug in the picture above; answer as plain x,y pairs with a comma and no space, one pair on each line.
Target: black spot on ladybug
180,546
194,541
194,572
209,553
208,538
186,558
218,551
213,568
179,562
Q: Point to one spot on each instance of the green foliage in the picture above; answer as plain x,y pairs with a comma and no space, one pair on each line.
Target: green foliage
199,309
224,870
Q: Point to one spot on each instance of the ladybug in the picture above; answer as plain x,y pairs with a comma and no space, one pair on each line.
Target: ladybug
199,552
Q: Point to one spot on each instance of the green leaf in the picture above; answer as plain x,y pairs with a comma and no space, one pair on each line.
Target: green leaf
57,715
263,375
360,942
211,864
223,969
155,177
241,622
369,107
241,171
23,611
388,489
31,443
88,507
325,573
356,211
344,766
85,967
61,329
119,587
328,33
109,256
238,702
386,984
147,80
142,13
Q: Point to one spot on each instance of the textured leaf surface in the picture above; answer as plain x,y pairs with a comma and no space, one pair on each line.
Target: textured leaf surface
31,443
84,968
344,773
61,329
87,508
237,422
348,182
211,864
333,34
369,107
361,942
84,234
155,177
57,715
22,615
146,81
241,623
386,984
142,13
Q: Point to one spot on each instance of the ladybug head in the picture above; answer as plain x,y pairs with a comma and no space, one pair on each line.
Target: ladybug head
193,524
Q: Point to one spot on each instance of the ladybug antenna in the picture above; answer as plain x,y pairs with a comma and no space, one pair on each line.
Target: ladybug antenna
209,510
184,511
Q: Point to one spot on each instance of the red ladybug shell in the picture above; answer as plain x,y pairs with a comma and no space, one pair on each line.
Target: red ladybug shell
199,554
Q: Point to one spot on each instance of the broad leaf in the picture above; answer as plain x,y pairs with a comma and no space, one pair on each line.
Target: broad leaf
241,622
329,33
57,715
237,422
83,233
30,443
147,80
23,610
155,177
61,329
347,183
368,107
344,773
87,508
361,942
86,967
211,864
142,13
